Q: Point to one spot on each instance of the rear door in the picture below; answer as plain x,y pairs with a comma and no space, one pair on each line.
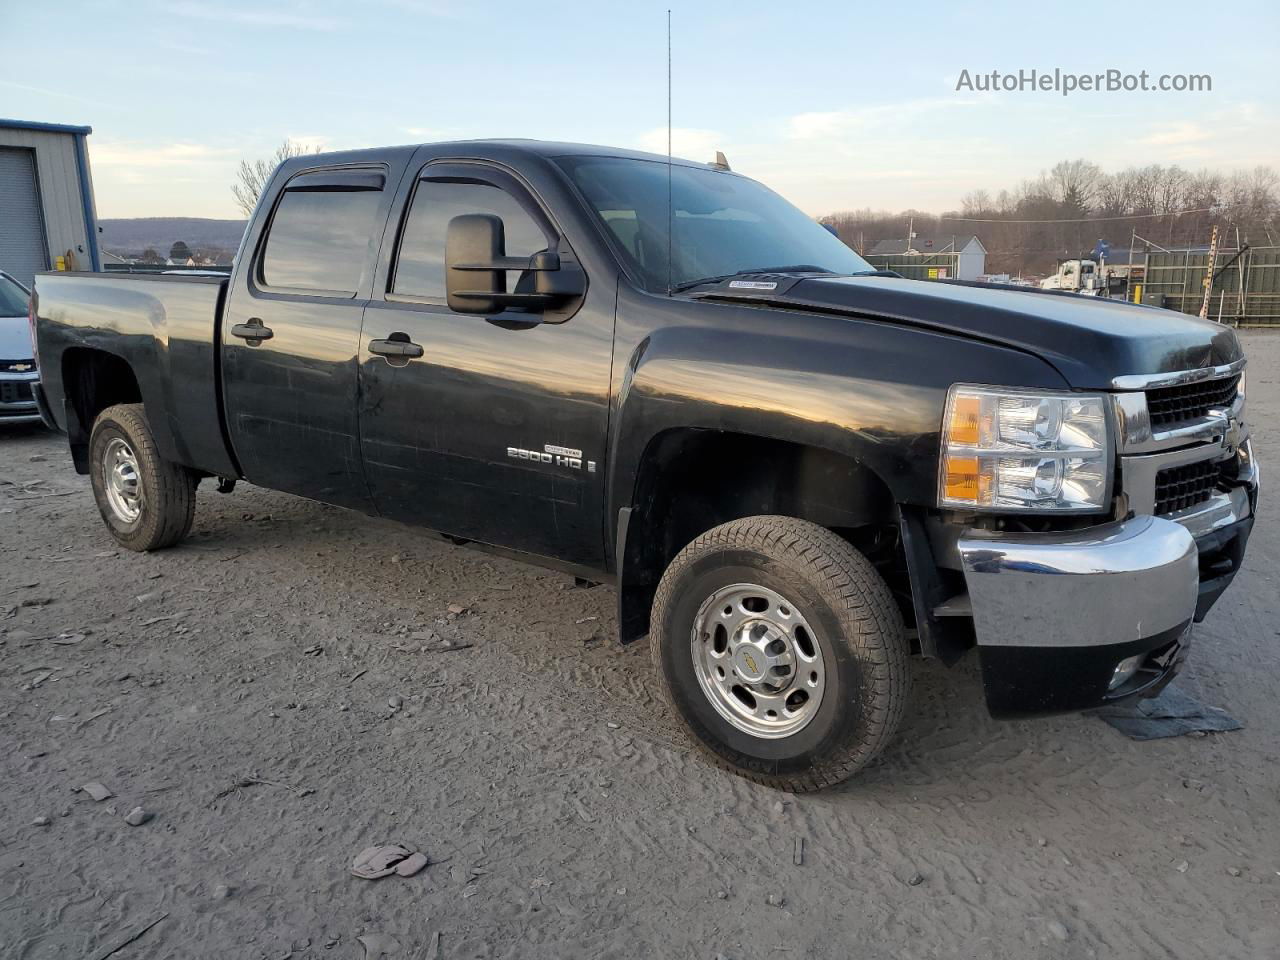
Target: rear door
497,431
291,334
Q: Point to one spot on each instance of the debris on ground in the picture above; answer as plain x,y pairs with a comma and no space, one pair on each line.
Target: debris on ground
1172,714
915,880
41,822
378,945
797,855
122,941
97,791
373,863
414,863
92,717
38,679
241,782
137,817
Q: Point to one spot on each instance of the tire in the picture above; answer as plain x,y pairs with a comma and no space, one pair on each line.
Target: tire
162,493
832,612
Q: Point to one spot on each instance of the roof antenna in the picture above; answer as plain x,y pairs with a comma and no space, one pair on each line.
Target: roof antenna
670,203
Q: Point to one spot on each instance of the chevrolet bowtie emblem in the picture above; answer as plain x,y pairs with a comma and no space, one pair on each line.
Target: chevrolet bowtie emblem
21,367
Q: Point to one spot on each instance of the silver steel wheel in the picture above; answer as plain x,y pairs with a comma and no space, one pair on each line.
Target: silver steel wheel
758,660
121,479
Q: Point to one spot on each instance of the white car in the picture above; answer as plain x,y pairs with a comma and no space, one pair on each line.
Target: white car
17,357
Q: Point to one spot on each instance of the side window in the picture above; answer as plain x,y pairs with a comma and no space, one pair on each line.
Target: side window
419,270
318,240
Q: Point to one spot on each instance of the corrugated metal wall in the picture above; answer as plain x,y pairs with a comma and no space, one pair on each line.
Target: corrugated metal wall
932,266
1246,289
60,193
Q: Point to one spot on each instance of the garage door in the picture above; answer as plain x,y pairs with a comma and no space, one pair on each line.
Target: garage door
22,246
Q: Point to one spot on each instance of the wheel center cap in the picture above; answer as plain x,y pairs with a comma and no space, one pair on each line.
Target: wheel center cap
749,663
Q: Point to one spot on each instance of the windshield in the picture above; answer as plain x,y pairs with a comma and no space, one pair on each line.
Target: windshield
724,223
13,299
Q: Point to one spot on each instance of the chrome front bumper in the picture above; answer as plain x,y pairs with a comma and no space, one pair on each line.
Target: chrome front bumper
1054,614
1112,584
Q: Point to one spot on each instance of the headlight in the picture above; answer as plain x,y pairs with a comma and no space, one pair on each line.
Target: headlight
1009,450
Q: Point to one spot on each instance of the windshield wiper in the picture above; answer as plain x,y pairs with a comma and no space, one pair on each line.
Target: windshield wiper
792,268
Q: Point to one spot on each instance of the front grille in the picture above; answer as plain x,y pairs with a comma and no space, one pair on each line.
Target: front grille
1180,487
1170,406
17,366
15,391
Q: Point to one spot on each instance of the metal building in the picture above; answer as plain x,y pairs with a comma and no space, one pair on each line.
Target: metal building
47,214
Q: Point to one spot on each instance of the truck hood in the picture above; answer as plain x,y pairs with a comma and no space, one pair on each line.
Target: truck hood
1089,340
15,339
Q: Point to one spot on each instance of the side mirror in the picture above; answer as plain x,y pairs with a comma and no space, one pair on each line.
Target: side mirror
471,242
476,265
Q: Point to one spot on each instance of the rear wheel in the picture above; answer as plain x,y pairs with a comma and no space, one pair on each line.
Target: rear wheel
782,648
146,501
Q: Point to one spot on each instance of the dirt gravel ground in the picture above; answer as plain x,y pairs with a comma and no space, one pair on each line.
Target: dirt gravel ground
290,686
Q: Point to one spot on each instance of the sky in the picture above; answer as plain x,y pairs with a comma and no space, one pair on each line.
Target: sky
837,105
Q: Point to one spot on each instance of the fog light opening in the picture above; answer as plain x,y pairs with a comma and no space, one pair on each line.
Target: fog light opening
1125,670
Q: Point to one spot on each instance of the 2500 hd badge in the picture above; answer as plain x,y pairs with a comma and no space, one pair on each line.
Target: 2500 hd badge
560,456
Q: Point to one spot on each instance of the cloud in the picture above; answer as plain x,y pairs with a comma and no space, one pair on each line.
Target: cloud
311,142
303,19
46,92
134,155
1166,134
688,142
836,123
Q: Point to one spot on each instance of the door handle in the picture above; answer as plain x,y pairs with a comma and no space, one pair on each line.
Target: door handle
252,331
397,345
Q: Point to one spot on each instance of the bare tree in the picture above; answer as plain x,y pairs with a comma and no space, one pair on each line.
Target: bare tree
976,204
1064,212
253,177
1074,183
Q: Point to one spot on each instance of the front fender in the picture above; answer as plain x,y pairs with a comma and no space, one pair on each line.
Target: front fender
868,390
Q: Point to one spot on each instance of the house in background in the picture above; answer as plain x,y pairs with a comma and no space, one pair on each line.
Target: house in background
964,255
47,217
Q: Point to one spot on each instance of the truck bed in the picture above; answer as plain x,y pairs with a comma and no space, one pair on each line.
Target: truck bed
166,328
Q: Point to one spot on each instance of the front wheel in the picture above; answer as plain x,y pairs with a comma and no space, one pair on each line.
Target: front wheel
781,647
147,502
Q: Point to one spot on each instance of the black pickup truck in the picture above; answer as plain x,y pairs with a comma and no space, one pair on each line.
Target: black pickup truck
796,470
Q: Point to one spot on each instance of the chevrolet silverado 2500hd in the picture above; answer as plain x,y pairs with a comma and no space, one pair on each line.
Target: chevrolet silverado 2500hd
797,470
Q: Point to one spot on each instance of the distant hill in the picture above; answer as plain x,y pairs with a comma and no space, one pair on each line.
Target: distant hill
160,233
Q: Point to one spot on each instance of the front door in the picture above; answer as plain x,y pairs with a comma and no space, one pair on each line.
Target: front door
496,431
291,335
